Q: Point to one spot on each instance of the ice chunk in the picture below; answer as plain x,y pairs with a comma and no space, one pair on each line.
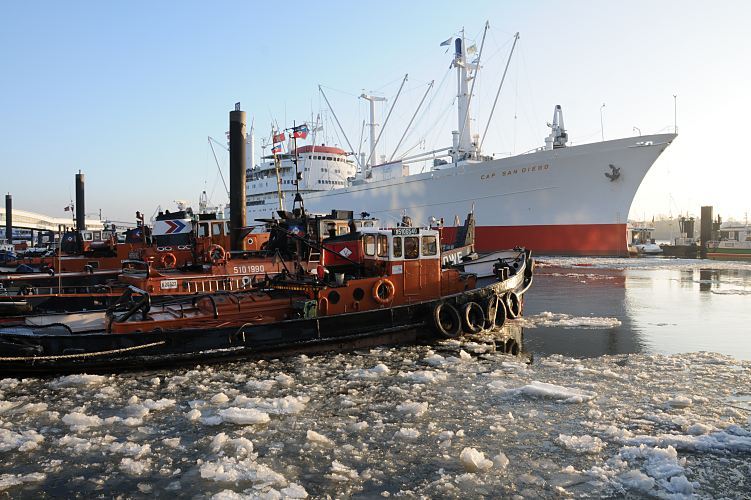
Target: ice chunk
581,444
193,415
244,416
219,398
78,381
285,380
561,320
80,421
552,391
474,461
379,370
501,461
424,376
135,467
319,439
357,426
230,469
294,491
340,472
171,442
636,480
21,441
412,408
680,402
407,433
8,480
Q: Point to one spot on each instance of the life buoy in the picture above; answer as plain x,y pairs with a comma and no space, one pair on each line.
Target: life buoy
446,320
168,260
491,311
501,312
473,317
514,305
216,254
383,291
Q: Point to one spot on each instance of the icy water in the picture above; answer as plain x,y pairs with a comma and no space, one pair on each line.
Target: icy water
618,402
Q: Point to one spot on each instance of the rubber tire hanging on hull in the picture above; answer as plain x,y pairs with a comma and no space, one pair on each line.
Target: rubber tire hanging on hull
501,313
473,317
446,320
514,305
491,311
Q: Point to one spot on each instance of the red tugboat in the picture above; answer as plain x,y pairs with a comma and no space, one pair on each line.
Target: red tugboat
372,286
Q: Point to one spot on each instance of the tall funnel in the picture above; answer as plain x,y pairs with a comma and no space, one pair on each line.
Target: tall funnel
237,166
80,205
706,229
9,218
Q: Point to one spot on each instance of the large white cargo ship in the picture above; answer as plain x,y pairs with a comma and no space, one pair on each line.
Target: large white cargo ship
559,199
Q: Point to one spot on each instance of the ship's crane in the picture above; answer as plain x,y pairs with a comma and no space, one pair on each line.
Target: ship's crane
558,136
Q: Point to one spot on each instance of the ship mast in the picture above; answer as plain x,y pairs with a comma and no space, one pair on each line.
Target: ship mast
462,137
372,100
277,166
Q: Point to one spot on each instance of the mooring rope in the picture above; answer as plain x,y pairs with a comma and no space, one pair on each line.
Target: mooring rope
82,354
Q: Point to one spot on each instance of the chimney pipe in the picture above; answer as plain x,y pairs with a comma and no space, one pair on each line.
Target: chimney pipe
705,233
80,205
237,166
9,218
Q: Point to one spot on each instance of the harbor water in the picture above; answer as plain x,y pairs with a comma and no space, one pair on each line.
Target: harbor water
639,385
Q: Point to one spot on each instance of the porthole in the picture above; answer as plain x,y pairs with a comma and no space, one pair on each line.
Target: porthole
334,297
358,294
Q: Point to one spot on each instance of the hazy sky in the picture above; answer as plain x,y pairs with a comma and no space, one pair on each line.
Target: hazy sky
128,92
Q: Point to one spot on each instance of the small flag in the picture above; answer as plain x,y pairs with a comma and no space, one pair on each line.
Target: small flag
279,137
300,132
447,42
67,209
276,149
472,50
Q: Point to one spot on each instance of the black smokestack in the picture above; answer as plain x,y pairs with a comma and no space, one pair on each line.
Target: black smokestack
237,165
9,218
706,229
80,205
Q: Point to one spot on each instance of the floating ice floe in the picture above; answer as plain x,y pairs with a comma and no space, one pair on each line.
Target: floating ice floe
21,441
8,480
407,433
379,370
232,470
552,391
243,416
581,444
340,472
80,421
78,381
413,408
562,320
474,461
318,439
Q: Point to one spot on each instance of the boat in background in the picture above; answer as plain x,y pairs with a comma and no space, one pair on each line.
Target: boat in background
686,245
640,241
734,243
557,199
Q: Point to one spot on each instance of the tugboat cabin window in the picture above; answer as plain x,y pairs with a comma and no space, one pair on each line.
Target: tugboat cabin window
411,247
216,229
383,246
369,242
88,236
203,229
397,247
429,246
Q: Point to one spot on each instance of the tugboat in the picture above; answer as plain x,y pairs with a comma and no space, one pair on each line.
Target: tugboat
373,286
684,246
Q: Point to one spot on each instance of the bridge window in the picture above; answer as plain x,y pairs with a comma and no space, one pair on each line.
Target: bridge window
203,229
369,242
411,247
383,246
216,229
429,245
397,247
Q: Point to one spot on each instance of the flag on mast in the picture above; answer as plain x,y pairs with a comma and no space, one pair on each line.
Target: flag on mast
276,149
300,132
278,137
447,42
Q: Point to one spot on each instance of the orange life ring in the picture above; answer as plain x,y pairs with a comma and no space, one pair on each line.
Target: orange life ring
168,260
216,254
383,291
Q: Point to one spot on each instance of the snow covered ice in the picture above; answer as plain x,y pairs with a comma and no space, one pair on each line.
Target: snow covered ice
448,420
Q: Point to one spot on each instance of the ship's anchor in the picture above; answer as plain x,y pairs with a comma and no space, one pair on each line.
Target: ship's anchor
615,172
